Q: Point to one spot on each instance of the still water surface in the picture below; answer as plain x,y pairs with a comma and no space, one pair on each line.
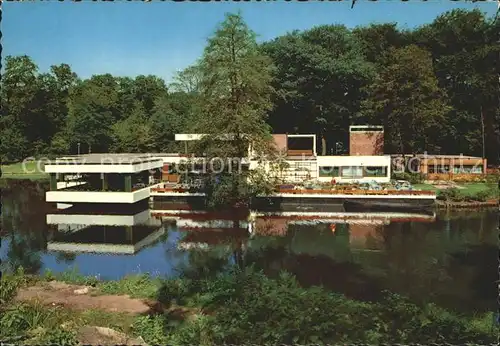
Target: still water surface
450,260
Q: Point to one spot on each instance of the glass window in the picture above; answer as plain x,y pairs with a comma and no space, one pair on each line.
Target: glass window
375,171
468,169
352,172
328,171
442,169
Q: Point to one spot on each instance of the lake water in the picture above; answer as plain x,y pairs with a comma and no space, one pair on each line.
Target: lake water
449,258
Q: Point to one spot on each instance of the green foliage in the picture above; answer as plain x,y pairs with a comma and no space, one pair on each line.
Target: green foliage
58,336
414,178
407,100
133,134
245,305
319,78
452,194
141,286
173,291
9,284
152,329
432,88
456,195
136,285
36,321
235,87
464,46
72,276
195,332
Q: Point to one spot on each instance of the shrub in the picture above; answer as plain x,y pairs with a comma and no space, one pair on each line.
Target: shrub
58,336
452,194
32,320
9,285
140,285
152,329
480,196
246,306
174,290
414,178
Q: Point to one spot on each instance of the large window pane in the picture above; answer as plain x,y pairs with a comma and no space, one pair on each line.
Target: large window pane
328,171
352,172
375,171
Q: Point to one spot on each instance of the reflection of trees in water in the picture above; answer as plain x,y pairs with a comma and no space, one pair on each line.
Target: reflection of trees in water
65,257
421,260
23,220
450,262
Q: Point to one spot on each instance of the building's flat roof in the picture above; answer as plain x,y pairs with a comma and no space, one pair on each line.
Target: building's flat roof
299,135
104,163
366,128
431,156
105,159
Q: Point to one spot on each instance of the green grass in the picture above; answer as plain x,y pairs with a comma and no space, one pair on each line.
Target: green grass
425,187
467,188
28,170
136,285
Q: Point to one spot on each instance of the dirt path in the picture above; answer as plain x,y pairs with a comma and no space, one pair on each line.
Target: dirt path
80,298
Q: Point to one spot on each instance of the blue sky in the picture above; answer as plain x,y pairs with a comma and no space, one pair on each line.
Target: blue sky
160,38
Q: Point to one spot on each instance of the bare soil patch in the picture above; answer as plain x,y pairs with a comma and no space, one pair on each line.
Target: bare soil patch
79,298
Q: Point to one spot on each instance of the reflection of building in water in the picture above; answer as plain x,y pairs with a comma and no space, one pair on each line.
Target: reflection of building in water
120,234
204,238
366,236
271,226
362,224
202,230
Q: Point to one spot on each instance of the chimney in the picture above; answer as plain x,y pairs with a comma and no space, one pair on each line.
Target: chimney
366,140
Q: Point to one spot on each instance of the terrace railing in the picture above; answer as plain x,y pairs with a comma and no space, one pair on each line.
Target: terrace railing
356,192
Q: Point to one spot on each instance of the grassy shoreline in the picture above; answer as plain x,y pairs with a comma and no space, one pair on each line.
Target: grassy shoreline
31,170
238,307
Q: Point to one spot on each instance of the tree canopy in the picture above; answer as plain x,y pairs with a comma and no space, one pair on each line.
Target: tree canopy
435,88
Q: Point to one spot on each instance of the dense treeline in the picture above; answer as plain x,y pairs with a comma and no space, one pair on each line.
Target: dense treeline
434,88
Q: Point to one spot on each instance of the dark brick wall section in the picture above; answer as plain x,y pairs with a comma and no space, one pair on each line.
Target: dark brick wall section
366,143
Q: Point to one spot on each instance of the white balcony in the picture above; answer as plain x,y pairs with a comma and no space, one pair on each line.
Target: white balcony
142,218
66,196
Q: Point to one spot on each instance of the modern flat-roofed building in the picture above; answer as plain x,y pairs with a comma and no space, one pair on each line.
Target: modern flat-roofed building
440,167
297,153
102,178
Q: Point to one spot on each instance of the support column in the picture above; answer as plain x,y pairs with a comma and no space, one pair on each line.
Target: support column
128,183
128,234
53,181
104,178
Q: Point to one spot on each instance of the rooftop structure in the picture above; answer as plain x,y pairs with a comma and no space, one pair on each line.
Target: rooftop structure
298,151
102,178
366,140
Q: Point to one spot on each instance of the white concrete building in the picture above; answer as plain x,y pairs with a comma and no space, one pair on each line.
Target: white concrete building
354,168
102,178
300,161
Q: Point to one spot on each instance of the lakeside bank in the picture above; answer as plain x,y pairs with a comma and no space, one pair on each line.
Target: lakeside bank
239,306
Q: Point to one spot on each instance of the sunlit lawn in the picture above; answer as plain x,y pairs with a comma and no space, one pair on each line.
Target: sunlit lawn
24,170
468,188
